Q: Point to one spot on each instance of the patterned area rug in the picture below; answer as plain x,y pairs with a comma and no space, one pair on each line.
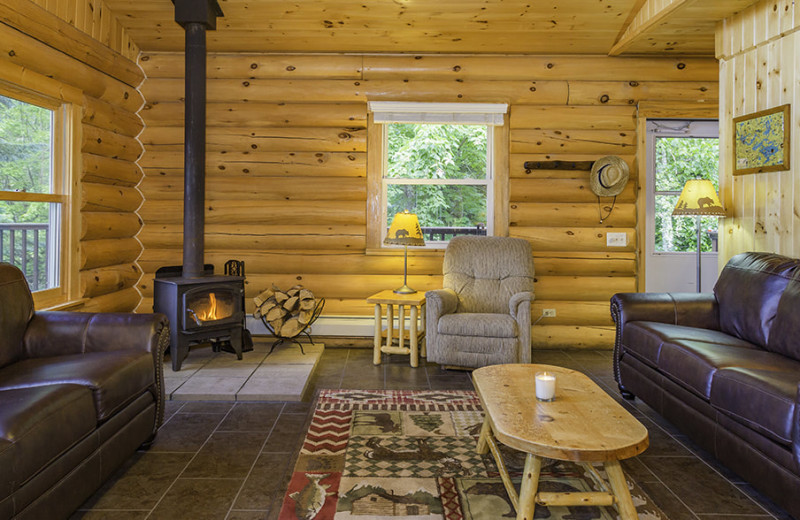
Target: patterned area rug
411,454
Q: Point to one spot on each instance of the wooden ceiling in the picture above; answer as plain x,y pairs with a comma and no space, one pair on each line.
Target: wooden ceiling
630,27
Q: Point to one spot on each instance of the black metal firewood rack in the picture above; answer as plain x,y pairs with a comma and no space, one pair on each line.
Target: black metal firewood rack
320,304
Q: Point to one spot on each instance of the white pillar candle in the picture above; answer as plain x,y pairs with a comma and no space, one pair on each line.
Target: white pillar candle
545,386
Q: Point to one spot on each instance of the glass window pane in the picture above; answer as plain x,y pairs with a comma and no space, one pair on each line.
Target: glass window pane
29,240
679,234
443,211
25,147
679,159
426,151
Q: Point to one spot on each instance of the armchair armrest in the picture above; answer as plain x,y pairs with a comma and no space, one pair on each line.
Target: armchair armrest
520,307
437,303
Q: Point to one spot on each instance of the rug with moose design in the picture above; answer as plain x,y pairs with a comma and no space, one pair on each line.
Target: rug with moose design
411,454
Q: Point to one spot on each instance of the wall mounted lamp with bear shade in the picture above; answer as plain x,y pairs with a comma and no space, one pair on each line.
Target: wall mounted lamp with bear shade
698,198
405,231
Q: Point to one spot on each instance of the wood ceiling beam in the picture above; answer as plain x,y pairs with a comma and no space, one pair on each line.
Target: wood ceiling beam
643,23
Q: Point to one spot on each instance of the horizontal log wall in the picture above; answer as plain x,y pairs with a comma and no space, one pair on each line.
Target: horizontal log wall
286,165
80,44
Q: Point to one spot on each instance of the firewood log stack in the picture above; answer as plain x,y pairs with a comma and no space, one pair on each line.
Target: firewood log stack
286,312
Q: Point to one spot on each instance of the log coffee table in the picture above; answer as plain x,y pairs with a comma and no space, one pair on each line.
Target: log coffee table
583,425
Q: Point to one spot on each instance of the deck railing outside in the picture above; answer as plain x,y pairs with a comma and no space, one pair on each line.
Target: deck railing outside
442,234
26,246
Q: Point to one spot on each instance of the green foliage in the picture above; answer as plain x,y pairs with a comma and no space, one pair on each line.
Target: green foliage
438,152
679,159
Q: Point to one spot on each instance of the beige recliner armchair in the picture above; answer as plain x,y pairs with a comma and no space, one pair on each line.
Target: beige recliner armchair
483,314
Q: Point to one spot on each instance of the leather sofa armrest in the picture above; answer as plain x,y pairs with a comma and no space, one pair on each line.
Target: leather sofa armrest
699,310
796,431
520,308
54,333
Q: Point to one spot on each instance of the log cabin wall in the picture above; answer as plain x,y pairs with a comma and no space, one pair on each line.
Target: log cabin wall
77,45
759,53
287,169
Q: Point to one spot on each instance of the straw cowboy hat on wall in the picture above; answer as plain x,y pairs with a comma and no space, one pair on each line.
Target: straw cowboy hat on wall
609,176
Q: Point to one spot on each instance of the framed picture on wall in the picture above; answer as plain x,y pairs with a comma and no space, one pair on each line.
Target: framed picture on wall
761,141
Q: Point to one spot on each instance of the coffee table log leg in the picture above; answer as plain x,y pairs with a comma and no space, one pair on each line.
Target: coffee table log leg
529,487
627,511
376,353
483,442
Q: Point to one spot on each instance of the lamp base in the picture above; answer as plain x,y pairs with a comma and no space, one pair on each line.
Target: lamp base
405,289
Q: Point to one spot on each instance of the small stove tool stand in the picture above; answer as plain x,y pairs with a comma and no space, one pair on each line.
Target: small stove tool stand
235,268
317,311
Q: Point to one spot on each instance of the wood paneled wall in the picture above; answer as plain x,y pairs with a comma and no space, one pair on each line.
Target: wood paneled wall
47,43
759,53
287,153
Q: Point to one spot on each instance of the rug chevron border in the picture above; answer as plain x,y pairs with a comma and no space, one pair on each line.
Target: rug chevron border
390,454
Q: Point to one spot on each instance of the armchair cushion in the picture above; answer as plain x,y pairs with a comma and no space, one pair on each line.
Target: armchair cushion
479,324
114,378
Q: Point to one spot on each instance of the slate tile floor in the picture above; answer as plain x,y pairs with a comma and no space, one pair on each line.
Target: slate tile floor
232,460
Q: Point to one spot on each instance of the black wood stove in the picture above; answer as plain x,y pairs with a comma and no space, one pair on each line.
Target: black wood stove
200,306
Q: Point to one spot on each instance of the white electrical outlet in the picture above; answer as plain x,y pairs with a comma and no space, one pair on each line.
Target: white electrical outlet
548,313
616,239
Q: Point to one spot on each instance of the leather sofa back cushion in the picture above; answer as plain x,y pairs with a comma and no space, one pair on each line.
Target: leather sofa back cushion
486,271
784,337
14,318
748,291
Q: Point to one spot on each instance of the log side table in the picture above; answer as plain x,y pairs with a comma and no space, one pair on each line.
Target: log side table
416,325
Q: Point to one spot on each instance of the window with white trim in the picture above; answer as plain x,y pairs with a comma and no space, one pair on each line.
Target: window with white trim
34,190
437,162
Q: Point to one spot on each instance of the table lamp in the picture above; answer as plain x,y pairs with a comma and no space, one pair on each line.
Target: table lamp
405,231
698,198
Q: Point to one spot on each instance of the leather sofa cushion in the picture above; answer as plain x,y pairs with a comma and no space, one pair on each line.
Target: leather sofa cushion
478,324
115,378
41,423
748,291
761,399
14,318
645,338
694,363
783,337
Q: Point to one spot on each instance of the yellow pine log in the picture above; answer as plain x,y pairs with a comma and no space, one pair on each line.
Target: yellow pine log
573,117
108,251
59,34
104,197
572,312
109,117
561,191
339,91
226,187
261,66
600,142
333,306
532,214
584,263
27,52
96,225
631,92
573,238
105,170
325,285
260,212
313,164
562,67
582,288
116,146
106,280
256,237
125,300
145,305
159,139
544,337
564,157
309,261
668,109
518,171
262,114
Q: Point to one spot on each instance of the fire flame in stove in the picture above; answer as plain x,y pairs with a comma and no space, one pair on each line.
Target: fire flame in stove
207,311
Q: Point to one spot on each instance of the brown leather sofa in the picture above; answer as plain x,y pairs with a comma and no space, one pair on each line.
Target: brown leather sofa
79,393
724,367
